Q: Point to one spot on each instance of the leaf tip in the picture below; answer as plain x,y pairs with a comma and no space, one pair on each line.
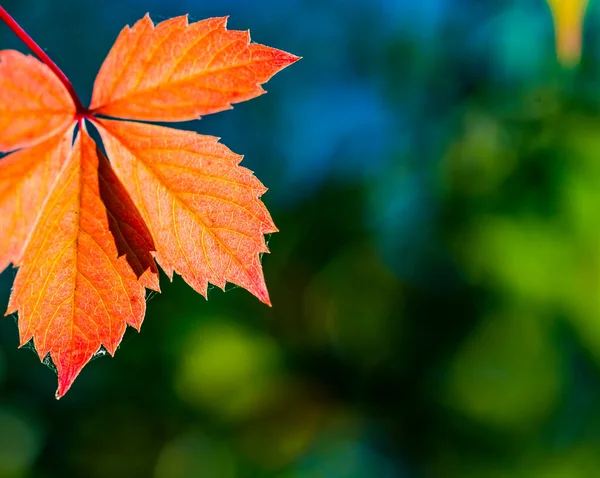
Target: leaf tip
65,381
145,22
266,300
287,59
259,290
61,391
68,367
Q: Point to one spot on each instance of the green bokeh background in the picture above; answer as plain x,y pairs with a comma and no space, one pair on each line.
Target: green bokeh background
435,176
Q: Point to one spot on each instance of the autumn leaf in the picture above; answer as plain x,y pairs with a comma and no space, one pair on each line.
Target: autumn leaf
568,25
202,208
178,72
73,291
34,104
26,178
85,229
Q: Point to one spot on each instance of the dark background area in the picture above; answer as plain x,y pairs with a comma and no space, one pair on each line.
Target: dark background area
435,175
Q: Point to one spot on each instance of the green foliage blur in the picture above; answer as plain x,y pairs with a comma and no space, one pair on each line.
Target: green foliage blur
435,175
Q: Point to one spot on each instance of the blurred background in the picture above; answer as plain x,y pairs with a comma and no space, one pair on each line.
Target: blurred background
434,169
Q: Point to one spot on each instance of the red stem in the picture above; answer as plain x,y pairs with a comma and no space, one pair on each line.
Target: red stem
82,112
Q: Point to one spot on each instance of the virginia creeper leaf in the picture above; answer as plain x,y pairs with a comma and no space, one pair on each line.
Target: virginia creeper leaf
179,72
73,292
85,232
26,178
34,104
202,208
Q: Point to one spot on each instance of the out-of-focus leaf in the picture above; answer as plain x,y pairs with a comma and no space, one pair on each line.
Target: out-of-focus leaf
568,24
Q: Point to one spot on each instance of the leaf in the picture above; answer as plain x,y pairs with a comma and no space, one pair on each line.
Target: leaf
179,72
85,232
73,292
34,104
568,24
202,208
26,178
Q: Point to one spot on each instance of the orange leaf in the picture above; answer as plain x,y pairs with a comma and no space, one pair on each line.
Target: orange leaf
130,233
73,292
26,178
34,104
178,72
202,208
85,232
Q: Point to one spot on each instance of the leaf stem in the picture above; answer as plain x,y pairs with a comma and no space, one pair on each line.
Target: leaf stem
82,112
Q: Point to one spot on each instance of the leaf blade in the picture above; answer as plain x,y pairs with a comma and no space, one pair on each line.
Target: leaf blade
73,292
26,179
189,189
34,104
176,71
